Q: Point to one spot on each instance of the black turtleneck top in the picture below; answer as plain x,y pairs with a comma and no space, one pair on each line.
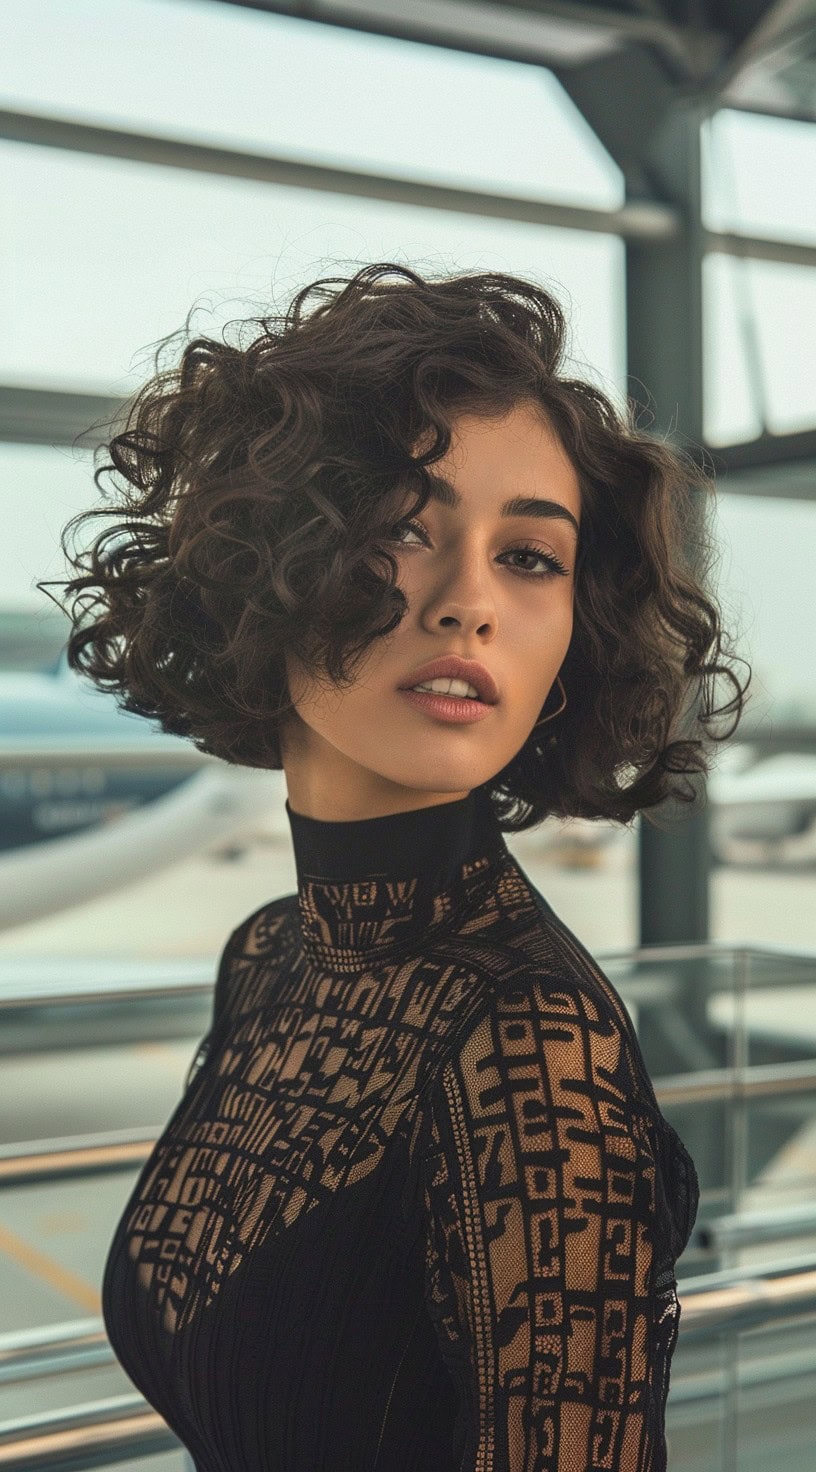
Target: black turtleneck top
417,1209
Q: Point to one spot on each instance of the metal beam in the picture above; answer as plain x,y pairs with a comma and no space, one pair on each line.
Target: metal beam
541,31
620,128
783,30
40,416
759,248
789,107
796,450
701,53
625,98
782,465
770,465
641,219
794,482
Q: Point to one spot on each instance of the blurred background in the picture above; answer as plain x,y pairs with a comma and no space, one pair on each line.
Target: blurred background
652,162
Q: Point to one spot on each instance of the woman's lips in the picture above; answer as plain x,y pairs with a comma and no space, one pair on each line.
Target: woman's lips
453,709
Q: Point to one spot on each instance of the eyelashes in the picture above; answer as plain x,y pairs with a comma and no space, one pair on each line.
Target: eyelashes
554,565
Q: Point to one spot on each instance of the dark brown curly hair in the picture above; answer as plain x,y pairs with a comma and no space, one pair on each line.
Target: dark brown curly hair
260,489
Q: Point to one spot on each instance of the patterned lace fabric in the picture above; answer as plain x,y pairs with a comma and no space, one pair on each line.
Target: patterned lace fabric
417,1207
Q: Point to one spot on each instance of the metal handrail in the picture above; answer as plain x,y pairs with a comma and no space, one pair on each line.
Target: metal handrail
150,753
125,1426
127,1149
757,1080
91,1435
80,1344
699,949
743,1297
749,1228
693,1387
161,987
66,981
712,1302
78,1155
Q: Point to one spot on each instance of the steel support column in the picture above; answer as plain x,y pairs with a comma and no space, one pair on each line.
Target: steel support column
664,360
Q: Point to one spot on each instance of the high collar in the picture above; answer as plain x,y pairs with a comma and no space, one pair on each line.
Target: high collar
372,887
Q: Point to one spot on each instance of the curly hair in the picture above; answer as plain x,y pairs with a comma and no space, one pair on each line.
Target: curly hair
261,486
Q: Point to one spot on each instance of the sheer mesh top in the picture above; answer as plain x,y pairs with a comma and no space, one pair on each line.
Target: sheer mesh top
417,1209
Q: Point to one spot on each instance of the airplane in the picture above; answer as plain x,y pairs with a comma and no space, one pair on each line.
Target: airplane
93,796
72,758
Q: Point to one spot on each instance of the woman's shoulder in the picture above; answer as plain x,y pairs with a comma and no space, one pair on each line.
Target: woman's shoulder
561,1024
551,1045
259,939
560,971
258,934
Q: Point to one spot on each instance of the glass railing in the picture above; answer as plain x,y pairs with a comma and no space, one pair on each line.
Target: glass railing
729,1038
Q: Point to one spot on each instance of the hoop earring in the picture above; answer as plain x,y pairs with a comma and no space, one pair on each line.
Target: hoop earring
545,719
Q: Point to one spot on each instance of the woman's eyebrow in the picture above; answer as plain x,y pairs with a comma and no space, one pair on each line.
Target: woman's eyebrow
443,491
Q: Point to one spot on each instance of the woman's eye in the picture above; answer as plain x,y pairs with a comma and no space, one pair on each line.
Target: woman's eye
403,526
553,565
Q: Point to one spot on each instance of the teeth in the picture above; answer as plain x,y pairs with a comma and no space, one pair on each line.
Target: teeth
449,687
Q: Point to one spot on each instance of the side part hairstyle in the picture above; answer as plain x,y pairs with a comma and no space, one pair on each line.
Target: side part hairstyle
259,491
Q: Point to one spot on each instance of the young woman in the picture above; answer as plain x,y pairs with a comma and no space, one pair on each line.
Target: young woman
417,1209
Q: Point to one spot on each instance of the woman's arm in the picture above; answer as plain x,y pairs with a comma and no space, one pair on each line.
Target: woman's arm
540,1201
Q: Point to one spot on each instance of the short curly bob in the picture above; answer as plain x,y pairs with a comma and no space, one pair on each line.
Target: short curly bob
261,486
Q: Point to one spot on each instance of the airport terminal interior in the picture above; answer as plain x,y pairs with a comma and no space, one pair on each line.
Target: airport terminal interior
653,164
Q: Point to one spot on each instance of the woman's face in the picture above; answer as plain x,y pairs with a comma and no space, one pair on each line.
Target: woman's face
478,585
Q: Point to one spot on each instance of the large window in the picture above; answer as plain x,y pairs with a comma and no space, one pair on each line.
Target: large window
758,174
760,363
243,79
759,316
107,256
766,546
102,257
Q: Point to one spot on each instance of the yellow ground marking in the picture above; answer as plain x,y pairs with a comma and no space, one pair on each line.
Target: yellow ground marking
41,1266
173,1053
53,1223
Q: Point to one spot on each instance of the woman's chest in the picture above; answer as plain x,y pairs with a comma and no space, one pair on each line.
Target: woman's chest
293,1113
265,1259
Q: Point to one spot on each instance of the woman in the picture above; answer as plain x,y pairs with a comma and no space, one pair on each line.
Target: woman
417,1207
